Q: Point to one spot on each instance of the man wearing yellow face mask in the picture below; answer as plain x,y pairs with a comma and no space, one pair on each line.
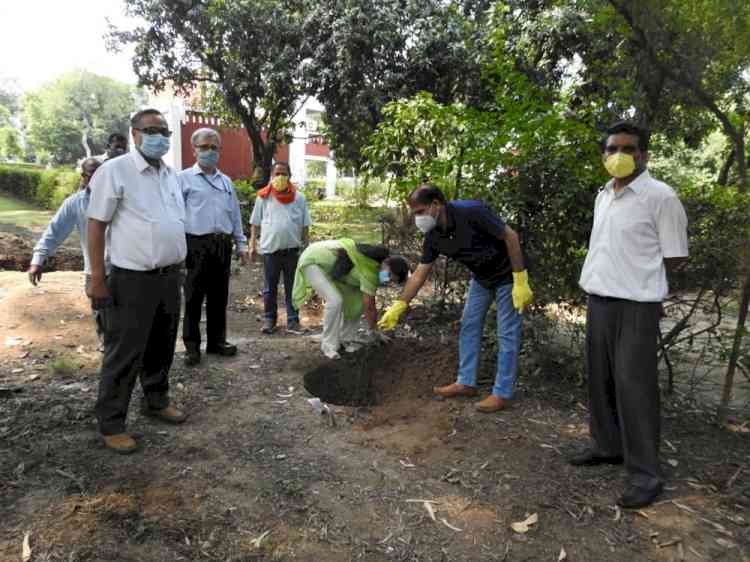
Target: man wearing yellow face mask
639,233
283,218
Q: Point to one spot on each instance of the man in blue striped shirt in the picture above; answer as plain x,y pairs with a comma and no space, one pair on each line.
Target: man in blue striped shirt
212,223
72,214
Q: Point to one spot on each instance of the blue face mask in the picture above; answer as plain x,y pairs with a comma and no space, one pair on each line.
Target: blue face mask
154,146
384,276
208,158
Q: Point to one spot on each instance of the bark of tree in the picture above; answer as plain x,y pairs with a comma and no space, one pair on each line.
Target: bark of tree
723,178
735,355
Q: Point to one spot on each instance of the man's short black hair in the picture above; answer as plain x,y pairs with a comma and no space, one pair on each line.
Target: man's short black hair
285,164
135,120
399,268
629,128
116,136
427,194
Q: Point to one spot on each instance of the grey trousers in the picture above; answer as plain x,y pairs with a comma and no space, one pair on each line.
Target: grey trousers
140,331
621,360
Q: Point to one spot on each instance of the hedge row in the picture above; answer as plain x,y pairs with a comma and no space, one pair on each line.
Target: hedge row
44,188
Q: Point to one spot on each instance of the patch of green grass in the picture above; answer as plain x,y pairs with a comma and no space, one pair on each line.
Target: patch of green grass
335,219
22,214
62,366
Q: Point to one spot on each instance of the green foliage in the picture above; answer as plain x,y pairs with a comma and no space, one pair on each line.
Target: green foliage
332,220
249,56
10,147
371,53
44,188
246,194
314,190
72,116
63,366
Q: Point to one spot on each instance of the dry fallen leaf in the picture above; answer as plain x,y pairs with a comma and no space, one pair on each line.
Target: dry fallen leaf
523,526
256,542
25,548
672,462
449,525
563,555
430,510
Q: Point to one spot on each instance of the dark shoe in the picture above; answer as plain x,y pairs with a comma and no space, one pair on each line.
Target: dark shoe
224,349
294,327
269,327
592,458
635,497
192,358
170,414
455,389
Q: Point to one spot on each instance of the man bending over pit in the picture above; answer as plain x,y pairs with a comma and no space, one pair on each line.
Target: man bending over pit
472,234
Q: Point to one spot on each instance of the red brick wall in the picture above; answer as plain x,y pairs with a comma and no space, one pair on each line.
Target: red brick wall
236,151
316,147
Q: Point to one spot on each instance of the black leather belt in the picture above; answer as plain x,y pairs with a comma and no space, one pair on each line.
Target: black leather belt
212,236
158,271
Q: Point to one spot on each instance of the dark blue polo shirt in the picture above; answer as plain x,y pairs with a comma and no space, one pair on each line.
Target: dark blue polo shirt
474,237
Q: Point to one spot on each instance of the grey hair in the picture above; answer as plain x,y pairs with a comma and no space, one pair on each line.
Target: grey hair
204,132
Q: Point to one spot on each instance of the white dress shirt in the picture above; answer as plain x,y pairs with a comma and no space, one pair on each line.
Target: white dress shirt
145,209
634,230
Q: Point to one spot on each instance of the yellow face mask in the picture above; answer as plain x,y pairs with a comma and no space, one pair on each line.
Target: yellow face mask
280,183
620,165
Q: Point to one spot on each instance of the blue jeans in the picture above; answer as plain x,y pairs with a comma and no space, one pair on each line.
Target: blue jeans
477,304
283,262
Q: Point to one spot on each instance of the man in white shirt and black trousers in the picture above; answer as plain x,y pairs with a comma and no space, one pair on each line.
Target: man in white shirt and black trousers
639,233
139,197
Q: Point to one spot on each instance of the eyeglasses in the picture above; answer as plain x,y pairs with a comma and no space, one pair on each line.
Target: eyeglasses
204,147
626,148
163,131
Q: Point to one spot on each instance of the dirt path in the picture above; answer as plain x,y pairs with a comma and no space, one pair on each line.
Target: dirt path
257,474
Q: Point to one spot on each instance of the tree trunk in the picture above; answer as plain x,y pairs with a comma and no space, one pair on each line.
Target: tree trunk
723,178
85,135
734,357
741,157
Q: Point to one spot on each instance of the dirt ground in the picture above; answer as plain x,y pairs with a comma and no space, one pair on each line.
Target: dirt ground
257,474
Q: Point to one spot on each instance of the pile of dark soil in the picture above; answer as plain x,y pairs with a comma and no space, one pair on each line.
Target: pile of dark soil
403,369
16,251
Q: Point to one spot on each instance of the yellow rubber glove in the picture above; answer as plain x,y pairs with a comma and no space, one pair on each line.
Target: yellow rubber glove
392,315
522,295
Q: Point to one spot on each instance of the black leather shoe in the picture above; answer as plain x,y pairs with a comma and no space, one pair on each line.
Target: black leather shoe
592,458
192,358
224,349
635,497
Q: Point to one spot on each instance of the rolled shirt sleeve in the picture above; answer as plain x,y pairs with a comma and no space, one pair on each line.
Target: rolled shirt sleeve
105,195
240,239
256,218
59,228
671,223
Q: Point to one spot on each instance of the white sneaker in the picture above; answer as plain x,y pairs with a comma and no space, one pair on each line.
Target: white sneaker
351,347
332,354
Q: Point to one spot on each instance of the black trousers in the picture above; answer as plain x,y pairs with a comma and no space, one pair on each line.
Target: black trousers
208,263
621,346
140,331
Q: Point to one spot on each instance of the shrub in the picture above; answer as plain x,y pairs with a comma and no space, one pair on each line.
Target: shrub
314,190
246,193
45,188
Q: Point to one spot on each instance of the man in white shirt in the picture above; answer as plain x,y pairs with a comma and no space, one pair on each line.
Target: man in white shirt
213,222
639,233
139,198
283,218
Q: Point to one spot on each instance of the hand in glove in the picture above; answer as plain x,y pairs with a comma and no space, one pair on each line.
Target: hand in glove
392,315
522,295
380,338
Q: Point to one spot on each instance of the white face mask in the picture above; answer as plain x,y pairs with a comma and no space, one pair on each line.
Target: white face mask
425,223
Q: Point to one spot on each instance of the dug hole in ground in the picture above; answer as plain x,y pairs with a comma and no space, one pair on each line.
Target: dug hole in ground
258,474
